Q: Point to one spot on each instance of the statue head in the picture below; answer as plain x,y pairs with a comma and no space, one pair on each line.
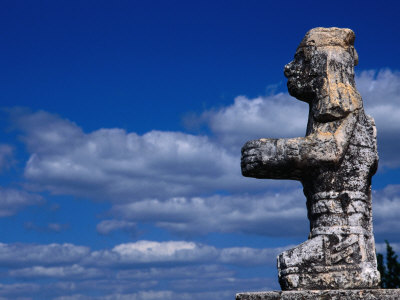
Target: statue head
322,73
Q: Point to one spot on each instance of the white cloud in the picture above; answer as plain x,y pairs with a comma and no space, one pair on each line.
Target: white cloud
32,254
245,256
153,252
154,295
181,252
107,226
74,271
264,117
386,207
180,269
273,214
99,286
12,201
17,289
65,260
192,271
125,167
176,180
155,249
120,166
192,184
73,297
230,284
381,94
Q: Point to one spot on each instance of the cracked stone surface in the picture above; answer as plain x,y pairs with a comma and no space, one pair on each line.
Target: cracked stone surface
371,294
335,162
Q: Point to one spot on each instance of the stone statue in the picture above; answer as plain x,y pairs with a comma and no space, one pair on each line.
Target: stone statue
335,162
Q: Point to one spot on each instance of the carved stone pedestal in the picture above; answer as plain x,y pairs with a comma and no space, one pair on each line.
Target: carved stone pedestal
376,294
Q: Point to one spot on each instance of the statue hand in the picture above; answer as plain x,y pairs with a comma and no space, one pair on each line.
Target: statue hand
257,155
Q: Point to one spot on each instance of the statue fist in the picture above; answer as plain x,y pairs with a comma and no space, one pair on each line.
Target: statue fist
257,157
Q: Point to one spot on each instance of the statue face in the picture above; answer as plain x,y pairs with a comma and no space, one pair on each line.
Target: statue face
304,72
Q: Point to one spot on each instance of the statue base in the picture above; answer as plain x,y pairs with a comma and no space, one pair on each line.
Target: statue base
376,294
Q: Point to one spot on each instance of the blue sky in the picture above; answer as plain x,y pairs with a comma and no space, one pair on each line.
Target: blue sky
121,129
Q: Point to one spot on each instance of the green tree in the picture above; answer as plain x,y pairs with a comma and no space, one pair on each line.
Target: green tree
390,273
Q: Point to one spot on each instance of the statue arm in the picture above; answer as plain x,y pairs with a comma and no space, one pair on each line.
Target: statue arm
287,158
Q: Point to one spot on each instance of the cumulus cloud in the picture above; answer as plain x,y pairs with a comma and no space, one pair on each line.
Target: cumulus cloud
51,260
245,255
181,252
381,94
119,166
164,177
222,288
273,116
12,201
272,214
176,180
153,252
188,184
386,205
144,268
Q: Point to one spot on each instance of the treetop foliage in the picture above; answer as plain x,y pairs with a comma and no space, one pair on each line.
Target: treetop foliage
390,272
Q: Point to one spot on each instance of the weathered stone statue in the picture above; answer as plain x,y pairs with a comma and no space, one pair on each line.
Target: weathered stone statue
334,162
